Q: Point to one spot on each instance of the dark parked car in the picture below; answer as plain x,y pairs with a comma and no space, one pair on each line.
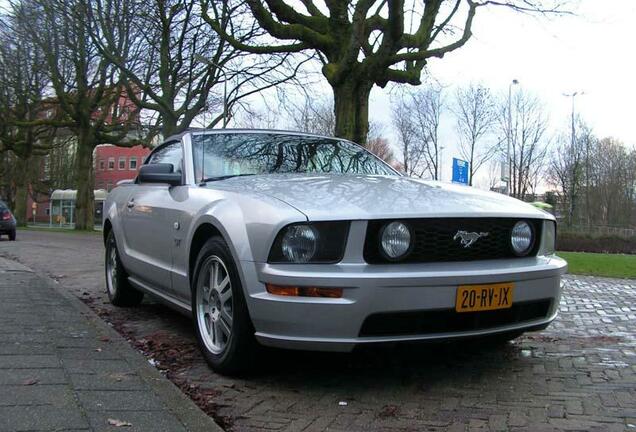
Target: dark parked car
7,221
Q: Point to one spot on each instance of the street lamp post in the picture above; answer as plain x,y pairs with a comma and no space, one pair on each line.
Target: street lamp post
572,149
508,159
222,70
572,96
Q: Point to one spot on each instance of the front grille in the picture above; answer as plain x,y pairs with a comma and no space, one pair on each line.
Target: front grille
434,239
449,321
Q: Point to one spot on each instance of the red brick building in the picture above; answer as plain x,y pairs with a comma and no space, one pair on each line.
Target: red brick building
113,164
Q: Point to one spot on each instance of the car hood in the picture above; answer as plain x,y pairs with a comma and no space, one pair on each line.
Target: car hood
351,197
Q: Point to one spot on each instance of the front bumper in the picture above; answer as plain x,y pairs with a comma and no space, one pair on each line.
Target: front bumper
337,324
7,226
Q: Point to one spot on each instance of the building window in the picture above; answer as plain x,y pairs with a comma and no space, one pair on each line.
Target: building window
122,163
133,163
102,165
111,163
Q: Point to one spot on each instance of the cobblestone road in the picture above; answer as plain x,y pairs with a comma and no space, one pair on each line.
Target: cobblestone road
579,374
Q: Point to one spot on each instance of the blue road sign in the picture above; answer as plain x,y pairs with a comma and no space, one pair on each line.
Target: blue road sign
460,171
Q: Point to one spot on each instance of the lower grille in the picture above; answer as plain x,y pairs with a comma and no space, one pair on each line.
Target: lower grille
449,321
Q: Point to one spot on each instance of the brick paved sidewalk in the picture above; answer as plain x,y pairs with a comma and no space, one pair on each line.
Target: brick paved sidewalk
62,368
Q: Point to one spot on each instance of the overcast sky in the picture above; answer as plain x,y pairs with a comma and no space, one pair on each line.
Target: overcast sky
592,51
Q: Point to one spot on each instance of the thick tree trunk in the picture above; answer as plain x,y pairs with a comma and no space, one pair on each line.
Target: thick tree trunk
169,126
351,106
21,191
85,203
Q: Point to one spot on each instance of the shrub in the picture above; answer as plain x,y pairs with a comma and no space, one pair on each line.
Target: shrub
575,242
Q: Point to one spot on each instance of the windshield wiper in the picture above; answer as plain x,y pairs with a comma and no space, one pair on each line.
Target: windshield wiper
223,177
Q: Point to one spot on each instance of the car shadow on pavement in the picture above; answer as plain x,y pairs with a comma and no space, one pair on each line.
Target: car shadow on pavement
429,360
369,373
158,330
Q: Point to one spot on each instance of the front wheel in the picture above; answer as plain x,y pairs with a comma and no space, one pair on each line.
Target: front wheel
120,292
12,235
223,326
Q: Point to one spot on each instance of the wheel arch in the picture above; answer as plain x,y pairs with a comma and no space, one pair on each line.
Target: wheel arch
203,232
108,227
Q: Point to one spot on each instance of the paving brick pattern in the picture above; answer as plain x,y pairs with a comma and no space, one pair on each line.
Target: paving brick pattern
60,371
579,374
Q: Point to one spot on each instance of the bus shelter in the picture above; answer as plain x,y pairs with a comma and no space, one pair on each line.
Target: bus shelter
62,207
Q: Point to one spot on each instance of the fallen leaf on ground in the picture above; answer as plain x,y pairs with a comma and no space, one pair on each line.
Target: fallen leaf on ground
119,376
118,423
29,382
388,411
104,338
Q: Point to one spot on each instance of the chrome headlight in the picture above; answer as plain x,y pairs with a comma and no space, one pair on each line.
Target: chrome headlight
396,240
299,243
522,238
310,242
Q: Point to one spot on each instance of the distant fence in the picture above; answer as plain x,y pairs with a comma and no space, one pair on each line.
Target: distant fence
599,231
602,239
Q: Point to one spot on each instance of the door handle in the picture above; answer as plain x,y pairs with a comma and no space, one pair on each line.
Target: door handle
130,204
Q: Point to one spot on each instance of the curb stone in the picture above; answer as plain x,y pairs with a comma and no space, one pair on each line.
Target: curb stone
178,404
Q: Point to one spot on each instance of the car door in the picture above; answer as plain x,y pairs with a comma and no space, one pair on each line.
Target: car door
150,222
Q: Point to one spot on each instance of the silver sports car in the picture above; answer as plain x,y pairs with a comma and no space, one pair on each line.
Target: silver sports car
303,241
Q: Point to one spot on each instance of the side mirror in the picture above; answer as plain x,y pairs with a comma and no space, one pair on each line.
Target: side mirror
159,173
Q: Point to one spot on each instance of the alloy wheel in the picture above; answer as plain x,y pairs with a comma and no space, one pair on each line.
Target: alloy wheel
111,269
214,304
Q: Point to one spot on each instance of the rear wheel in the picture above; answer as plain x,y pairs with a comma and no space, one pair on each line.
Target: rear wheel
120,292
12,235
223,327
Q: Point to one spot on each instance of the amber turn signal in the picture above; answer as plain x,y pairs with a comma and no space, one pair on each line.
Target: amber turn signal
303,291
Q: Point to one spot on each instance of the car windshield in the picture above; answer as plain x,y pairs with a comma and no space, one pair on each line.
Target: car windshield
219,156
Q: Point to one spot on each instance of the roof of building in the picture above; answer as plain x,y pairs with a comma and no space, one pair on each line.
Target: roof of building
71,194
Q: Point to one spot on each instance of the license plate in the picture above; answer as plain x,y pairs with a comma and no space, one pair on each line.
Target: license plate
473,298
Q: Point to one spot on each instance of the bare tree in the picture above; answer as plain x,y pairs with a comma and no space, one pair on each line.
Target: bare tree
529,143
89,95
494,174
612,176
413,161
363,43
567,166
426,106
23,80
173,66
476,115
381,147
313,115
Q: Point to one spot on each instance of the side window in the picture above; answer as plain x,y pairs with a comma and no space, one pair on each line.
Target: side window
171,153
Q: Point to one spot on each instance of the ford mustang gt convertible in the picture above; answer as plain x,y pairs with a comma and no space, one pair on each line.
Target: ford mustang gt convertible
302,241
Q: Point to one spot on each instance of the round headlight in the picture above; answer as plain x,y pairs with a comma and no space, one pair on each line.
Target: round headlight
521,238
299,243
395,240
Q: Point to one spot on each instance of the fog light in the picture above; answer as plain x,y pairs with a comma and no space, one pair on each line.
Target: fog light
521,238
294,291
396,240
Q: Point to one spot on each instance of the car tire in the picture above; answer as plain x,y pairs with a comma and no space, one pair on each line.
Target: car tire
12,235
222,323
119,290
